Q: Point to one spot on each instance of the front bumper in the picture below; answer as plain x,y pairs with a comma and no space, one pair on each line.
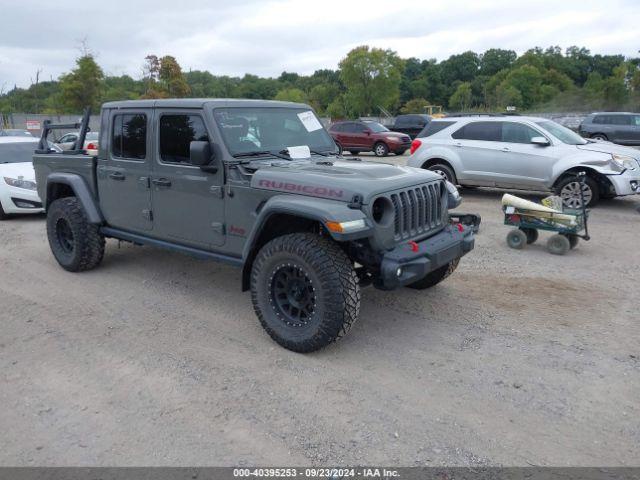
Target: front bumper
19,200
412,261
628,183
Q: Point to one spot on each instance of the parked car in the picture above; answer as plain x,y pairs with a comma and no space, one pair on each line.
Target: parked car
616,127
410,125
258,185
366,136
67,141
17,177
15,132
526,153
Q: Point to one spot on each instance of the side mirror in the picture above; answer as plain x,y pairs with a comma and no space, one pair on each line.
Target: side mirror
541,141
201,156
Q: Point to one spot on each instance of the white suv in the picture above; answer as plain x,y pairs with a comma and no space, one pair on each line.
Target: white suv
526,153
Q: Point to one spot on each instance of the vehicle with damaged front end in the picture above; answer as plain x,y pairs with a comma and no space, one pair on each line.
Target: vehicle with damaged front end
260,185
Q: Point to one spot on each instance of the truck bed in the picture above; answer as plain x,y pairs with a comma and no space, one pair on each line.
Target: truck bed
46,164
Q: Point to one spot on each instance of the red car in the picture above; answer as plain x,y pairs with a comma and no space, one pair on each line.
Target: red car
365,136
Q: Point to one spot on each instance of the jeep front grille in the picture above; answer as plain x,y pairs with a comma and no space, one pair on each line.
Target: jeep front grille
419,210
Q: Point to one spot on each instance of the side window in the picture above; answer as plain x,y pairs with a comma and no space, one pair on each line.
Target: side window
176,134
359,127
599,120
433,128
338,127
129,136
620,120
513,132
636,120
485,131
402,121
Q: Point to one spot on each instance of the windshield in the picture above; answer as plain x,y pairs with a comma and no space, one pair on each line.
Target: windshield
376,127
562,133
271,130
17,152
92,136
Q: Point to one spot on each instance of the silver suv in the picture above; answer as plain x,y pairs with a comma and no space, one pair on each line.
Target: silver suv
526,153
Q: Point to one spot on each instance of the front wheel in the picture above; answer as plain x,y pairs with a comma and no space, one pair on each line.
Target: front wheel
380,149
304,291
435,277
3,216
569,191
76,244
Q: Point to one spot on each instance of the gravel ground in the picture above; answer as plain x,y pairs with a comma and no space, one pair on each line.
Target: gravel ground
519,358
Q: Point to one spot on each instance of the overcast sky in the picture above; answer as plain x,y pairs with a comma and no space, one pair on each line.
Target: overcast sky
267,37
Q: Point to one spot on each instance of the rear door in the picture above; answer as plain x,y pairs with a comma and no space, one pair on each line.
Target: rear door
623,130
188,205
478,145
361,135
123,170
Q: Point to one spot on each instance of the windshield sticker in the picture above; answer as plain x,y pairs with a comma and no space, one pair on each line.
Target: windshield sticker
309,121
301,151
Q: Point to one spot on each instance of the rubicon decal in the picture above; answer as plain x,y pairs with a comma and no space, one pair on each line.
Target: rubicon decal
296,187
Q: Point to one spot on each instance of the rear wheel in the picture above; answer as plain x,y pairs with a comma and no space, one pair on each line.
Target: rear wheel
380,149
400,152
600,136
517,239
569,191
445,171
573,241
304,291
76,244
354,152
531,233
435,277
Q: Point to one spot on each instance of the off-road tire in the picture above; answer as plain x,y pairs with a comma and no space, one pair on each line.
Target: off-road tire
3,216
332,281
380,149
589,182
516,239
532,235
435,277
82,248
558,244
445,170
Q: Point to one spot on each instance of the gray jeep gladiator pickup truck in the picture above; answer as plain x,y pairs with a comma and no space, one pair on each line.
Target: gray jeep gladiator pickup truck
260,185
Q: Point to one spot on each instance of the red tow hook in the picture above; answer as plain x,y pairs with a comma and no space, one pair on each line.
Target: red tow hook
413,245
460,227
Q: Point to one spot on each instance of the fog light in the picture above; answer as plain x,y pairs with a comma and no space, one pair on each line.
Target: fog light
399,272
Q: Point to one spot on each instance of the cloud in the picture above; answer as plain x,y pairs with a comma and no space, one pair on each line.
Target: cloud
266,38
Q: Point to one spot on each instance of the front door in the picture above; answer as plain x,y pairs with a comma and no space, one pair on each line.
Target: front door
123,171
188,205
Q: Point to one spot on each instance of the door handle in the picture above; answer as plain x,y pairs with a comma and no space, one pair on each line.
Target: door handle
161,182
117,176
506,149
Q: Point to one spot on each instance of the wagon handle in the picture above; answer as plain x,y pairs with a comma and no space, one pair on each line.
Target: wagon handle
582,176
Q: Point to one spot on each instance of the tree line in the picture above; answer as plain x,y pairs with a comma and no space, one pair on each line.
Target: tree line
368,81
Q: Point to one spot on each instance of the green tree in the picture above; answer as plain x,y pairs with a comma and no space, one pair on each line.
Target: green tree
496,59
291,95
508,95
415,105
461,98
371,78
82,87
172,79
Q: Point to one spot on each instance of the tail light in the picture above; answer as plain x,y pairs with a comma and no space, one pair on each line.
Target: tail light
415,145
92,146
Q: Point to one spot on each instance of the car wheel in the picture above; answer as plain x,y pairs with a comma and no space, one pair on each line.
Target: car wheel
444,171
435,277
569,191
3,216
76,244
381,149
354,152
600,136
304,291
558,244
516,239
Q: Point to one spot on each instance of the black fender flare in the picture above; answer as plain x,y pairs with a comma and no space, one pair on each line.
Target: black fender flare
81,191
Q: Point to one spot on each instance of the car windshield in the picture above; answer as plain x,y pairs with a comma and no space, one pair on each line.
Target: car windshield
17,152
271,130
376,127
92,136
562,133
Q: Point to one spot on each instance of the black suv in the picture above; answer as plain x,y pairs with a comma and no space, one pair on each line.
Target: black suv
411,124
617,127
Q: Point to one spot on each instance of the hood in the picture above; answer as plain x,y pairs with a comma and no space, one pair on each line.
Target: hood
339,181
608,147
392,134
15,170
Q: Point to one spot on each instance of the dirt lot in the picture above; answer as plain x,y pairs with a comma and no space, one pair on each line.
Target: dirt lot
519,358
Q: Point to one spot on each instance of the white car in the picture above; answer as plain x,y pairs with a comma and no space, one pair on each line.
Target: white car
526,153
67,141
17,178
